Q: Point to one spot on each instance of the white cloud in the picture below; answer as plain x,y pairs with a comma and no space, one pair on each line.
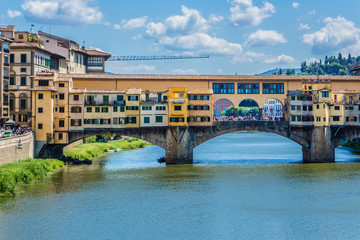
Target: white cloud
13,13
188,32
312,12
190,22
202,43
124,68
282,59
312,60
67,12
337,34
131,23
264,37
137,37
244,14
303,26
184,71
256,57
295,4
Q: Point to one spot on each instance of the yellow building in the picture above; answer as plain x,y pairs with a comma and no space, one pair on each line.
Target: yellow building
132,110
200,107
177,105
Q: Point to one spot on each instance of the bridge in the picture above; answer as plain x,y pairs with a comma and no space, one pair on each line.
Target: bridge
318,143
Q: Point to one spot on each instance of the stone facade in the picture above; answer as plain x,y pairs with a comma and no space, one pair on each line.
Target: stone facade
11,151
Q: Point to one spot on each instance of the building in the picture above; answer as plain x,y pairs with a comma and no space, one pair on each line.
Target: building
178,110
316,104
272,108
200,108
4,78
153,109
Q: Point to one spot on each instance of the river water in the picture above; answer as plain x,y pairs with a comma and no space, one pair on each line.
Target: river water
242,186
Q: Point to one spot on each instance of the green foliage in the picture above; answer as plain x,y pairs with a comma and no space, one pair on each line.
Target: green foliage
290,72
91,139
25,171
92,150
332,66
242,111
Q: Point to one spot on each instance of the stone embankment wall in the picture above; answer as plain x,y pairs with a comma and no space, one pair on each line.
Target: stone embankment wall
71,145
10,151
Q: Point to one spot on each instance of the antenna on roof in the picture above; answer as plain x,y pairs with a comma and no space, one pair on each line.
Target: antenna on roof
83,44
32,25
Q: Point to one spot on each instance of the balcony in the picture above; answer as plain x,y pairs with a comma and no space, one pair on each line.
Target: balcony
154,100
101,103
177,100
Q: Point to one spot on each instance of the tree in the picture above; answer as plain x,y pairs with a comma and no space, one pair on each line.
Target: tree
290,71
303,66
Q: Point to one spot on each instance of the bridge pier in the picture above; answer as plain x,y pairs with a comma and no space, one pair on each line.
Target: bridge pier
179,146
320,149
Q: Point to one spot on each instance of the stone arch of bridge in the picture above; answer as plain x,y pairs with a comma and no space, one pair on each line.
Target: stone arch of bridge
155,136
345,134
280,128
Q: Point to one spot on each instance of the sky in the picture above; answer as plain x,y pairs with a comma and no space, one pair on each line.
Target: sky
243,37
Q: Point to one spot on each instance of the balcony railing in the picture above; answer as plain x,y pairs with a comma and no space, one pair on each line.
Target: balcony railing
154,100
101,103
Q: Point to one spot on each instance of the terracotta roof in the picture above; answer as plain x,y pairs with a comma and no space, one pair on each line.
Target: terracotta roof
106,91
133,91
201,91
345,91
5,39
220,78
97,53
22,44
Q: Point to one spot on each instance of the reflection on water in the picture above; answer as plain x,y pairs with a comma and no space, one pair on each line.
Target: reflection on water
228,194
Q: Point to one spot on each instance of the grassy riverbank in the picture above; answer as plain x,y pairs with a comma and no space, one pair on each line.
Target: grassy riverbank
352,145
25,171
92,150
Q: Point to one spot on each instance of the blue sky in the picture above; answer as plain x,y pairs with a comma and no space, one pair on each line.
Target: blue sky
241,36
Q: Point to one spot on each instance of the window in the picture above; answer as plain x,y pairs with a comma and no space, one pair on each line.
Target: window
130,120
325,94
293,107
61,84
21,36
159,97
248,88
76,109
97,109
12,80
41,96
177,108
95,61
159,119
76,97
177,119
120,98
304,108
133,98
61,96
223,88
273,88
147,97
40,110
40,126
160,108
60,136
298,118
22,103
122,109
146,108
132,108
56,109
292,98
310,108
23,58
104,109
146,119
61,123
12,56
75,122
293,119
44,83
337,107
115,108
106,99
22,70
61,109
23,81
89,109
317,106
298,108
336,118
